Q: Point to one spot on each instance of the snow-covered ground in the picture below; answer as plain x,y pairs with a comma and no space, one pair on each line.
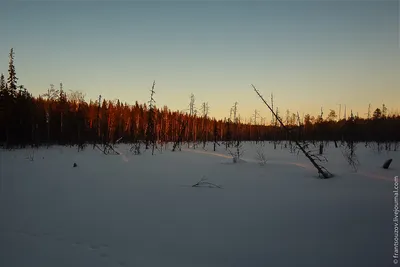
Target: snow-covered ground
132,210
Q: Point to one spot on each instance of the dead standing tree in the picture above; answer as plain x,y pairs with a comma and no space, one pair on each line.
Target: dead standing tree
237,153
257,134
313,158
204,133
350,146
228,137
51,95
321,143
215,132
98,124
102,139
182,127
192,116
273,121
150,132
164,128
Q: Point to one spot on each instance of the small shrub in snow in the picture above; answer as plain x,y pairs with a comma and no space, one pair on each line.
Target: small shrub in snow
238,151
31,156
81,146
262,160
136,148
350,155
107,149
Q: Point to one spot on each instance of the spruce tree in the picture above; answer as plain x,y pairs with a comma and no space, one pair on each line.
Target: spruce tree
2,83
12,78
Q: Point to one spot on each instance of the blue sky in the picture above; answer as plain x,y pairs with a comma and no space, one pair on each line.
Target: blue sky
307,53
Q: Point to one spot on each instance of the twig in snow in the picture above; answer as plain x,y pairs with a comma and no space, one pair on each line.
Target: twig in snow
204,182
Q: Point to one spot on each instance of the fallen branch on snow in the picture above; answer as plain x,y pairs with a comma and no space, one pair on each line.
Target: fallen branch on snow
203,182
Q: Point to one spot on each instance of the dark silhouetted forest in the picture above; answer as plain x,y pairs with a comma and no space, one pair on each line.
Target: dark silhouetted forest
60,117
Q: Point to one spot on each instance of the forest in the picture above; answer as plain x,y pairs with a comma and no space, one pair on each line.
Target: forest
65,118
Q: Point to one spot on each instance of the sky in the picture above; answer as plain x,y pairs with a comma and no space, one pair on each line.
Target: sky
309,54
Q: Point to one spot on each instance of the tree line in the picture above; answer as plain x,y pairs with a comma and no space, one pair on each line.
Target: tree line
60,117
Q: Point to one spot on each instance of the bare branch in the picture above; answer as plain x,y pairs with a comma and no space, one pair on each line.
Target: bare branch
204,182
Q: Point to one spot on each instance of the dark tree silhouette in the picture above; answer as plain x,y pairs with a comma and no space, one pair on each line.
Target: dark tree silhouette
59,118
150,132
12,78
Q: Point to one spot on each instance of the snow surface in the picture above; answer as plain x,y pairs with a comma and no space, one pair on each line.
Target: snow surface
130,210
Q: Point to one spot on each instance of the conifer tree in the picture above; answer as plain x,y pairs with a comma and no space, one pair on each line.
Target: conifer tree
12,78
2,83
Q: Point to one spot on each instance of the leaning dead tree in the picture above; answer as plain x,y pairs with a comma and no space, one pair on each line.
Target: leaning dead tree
313,158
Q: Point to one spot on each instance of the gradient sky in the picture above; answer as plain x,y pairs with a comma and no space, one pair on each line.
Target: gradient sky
307,53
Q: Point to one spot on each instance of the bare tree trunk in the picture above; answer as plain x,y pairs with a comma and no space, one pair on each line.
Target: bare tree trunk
321,170
180,136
